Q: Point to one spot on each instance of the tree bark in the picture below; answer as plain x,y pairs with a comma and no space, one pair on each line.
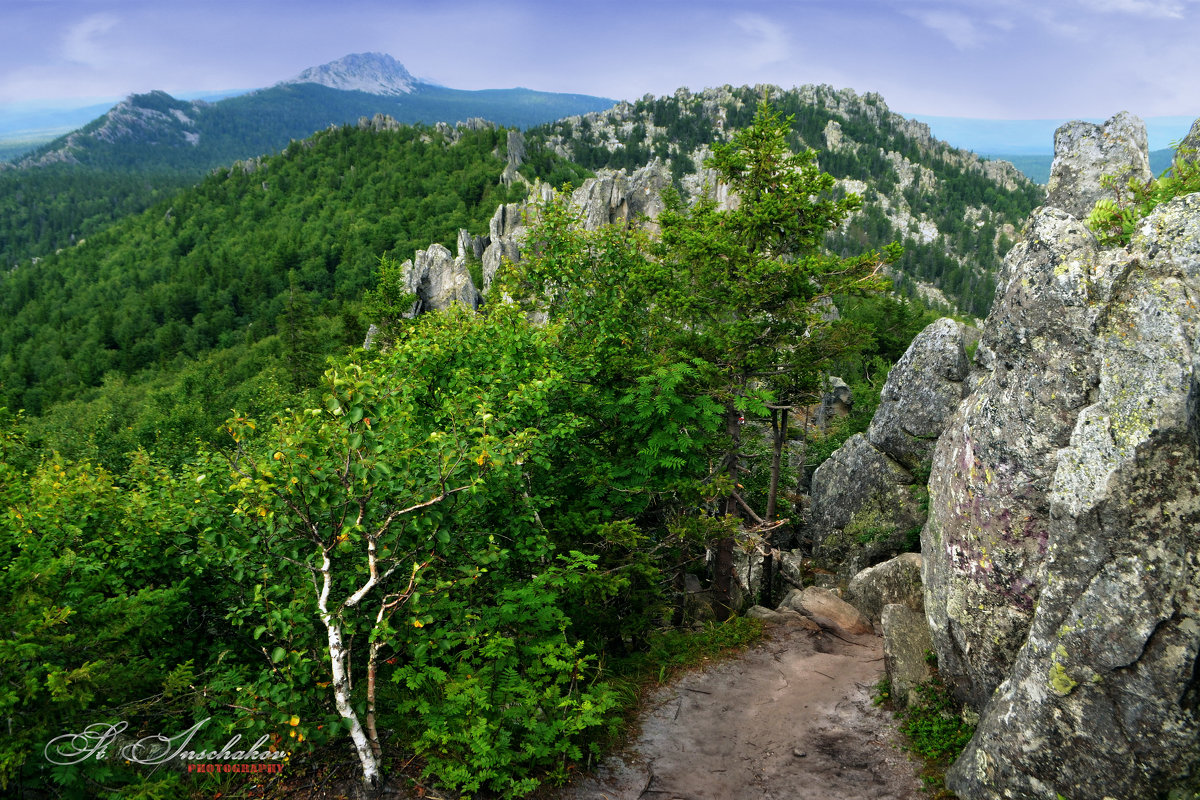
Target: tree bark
372,776
779,423
723,564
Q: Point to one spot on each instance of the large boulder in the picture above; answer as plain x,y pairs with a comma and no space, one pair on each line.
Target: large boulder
895,581
989,518
922,390
906,645
868,499
1108,667
1084,152
828,610
1062,552
863,508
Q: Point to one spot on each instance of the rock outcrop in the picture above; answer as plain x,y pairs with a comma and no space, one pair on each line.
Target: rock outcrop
1062,551
906,643
612,197
1191,142
867,505
440,280
895,581
1084,152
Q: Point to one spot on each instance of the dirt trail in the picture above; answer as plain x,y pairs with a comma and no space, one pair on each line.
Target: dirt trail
790,719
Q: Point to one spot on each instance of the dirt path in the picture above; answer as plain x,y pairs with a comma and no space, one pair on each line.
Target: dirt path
790,719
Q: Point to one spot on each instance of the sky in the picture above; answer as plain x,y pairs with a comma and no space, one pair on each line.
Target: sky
1016,59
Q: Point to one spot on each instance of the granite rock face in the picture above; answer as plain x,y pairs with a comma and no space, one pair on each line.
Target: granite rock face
921,392
867,505
1084,151
612,197
1192,140
989,518
439,280
1062,552
863,505
905,643
897,581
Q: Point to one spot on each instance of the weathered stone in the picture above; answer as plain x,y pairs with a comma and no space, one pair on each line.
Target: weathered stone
612,197
698,607
922,391
1191,142
439,280
836,403
863,508
516,148
471,246
1084,152
785,616
989,518
829,610
905,645
1062,554
894,581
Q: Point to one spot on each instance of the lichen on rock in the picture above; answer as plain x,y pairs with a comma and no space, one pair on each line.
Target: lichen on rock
1062,554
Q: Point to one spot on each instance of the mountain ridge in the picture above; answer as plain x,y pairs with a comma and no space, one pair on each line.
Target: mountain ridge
373,73
156,131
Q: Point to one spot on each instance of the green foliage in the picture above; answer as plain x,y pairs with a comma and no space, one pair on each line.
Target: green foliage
500,693
210,269
42,210
103,621
882,693
690,121
1114,219
934,724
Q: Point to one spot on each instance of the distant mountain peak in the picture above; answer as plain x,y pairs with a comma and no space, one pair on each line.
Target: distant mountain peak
373,73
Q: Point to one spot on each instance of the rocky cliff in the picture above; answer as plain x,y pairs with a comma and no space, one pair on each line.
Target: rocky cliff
868,500
1062,551
956,213
373,73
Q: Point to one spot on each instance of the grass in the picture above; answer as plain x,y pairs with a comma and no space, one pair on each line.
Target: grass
933,728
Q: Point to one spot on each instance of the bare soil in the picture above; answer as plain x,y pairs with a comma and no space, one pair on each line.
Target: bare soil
789,719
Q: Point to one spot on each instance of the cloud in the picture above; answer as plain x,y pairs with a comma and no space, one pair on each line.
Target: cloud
81,43
956,27
1156,9
771,41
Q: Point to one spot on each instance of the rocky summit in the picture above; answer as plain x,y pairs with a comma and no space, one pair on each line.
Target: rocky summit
1062,551
373,73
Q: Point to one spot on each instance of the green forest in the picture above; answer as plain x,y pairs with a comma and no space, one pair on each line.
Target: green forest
449,563
962,260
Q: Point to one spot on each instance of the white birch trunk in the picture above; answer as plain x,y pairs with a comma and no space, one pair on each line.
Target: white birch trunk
372,777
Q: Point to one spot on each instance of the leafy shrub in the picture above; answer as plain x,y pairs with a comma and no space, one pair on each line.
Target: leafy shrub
934,725
1114,219
501,696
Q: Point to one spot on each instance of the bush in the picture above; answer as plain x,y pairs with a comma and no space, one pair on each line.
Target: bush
1114,219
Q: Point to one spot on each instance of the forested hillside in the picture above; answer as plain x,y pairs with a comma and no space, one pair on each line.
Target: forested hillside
218,271
151,145
955,214
463,550
460,554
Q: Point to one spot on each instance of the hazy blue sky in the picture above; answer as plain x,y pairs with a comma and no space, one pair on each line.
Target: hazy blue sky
977,58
